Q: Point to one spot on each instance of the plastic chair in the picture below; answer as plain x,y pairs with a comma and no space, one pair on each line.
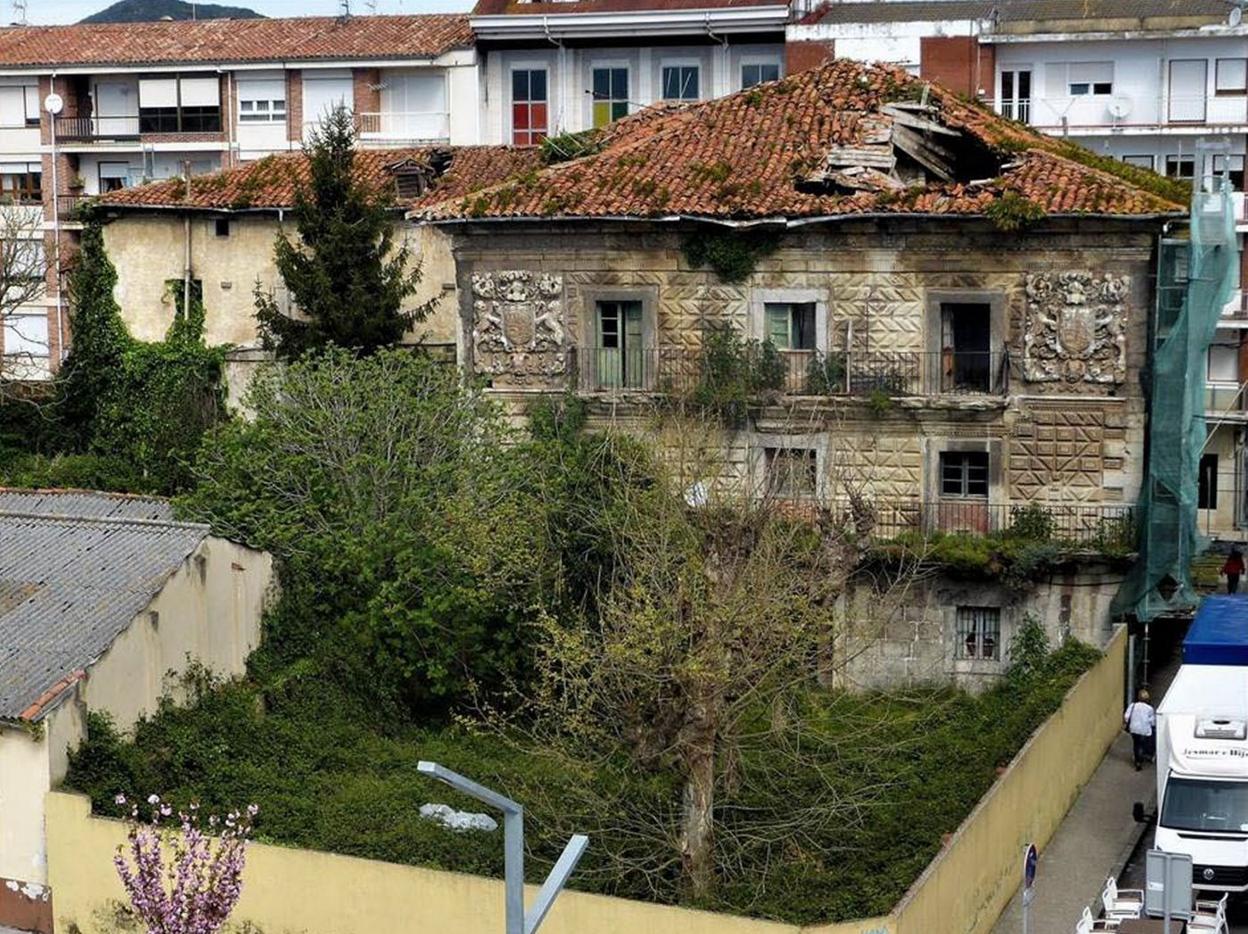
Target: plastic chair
1121,904
1209,917
1087,924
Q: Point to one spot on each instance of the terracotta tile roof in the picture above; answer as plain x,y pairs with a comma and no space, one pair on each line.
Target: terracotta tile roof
271,183
743,157
560,7
1017,11
309,38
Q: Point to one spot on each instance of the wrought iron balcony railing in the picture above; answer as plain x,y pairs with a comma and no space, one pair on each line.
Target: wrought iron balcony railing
763,371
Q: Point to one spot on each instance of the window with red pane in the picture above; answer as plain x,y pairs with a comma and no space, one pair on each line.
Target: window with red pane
529,124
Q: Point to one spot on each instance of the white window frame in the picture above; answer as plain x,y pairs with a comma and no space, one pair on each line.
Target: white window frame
1151,157
1017,104
509,128
270,115
1238,90
1091,91
745,60
613,63
682,63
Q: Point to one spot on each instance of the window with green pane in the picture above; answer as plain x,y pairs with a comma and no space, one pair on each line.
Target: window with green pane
610,93
790,325
619,355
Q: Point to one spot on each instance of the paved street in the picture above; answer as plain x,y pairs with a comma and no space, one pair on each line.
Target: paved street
1133,877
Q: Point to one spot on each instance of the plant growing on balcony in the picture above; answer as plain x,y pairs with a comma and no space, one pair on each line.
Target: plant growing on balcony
825,374
1032,522
345,273
767,367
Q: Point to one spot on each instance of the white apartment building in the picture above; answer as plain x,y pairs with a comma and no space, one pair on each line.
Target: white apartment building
1141,81
136,102
569,65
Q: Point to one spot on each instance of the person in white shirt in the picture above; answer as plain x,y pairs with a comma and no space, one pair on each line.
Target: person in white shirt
1140,720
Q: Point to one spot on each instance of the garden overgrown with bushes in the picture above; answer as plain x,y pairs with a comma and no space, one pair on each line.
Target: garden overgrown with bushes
549,610
455,589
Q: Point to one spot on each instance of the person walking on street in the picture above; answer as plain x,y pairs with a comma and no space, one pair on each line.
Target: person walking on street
1140,720
1233,568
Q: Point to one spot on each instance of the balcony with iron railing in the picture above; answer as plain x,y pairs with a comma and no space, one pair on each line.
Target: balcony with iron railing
1103,527
765,371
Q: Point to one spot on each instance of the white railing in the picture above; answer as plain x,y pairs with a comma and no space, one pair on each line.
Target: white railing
400,127
1122,110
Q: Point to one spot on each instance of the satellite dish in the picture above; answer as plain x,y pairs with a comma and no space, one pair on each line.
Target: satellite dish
53,104
1236,16
1120,107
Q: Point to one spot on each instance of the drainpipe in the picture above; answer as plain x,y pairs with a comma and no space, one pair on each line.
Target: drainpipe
186,236
723,55
56,239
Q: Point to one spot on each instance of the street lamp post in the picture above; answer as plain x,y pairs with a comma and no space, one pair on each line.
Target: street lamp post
517,921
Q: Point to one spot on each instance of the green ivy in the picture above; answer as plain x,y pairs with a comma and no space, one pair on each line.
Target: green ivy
129,413
731,255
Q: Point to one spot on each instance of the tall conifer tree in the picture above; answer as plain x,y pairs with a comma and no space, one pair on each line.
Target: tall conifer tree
345,275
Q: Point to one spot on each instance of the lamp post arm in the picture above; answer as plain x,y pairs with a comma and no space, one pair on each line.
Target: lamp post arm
469,787
554,883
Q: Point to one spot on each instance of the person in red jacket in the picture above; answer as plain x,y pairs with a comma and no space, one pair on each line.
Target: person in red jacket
1233,568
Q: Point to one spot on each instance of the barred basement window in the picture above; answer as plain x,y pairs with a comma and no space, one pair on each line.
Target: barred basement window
791,473
979,633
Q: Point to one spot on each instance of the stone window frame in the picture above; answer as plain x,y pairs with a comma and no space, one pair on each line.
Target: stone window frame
998,324
998,491
760,298
761,441
987,597
587,322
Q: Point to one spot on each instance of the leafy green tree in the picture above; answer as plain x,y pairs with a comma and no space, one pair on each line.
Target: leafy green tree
345,274
406,544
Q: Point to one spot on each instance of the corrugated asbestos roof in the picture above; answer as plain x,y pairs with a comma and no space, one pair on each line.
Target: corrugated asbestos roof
1017,11
85,504
69,585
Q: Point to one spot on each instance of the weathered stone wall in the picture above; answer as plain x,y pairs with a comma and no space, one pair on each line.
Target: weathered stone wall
1070,306
906,636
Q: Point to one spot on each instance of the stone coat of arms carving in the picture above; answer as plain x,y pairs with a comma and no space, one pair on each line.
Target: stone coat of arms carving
1075,329
517,325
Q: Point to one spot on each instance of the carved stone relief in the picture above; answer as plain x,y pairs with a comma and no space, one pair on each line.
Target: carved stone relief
1075,328
518,325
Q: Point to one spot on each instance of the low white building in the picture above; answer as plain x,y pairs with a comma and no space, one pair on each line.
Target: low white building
104,601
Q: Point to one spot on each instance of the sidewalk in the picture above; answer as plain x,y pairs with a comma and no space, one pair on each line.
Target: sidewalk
1095,839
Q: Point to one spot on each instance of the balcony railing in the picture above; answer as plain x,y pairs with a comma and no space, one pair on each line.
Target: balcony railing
794,372
1099,526
403,127
92,128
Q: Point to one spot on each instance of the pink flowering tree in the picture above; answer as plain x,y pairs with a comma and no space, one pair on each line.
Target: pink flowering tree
183,875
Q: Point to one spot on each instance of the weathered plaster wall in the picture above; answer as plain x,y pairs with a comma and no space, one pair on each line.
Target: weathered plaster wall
148,251
207,612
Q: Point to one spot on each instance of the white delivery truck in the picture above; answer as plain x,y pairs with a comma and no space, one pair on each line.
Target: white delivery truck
1202,749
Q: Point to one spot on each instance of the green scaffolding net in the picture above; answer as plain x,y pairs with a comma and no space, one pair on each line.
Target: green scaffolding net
1195,279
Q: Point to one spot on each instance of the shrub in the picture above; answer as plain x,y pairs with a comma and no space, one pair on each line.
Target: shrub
825,374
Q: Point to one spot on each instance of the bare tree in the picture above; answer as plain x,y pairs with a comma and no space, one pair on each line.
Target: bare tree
709,639
24,270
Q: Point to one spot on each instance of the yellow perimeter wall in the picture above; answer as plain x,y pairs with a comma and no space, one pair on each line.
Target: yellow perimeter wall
288,891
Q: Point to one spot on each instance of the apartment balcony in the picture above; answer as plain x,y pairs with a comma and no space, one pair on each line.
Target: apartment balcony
760,372
98,129
1225,403
388,129
1124,114
1072,525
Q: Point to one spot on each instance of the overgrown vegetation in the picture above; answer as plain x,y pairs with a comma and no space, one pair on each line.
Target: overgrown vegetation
731,255
346,275
564,147
1013,211
329,775
732,371
124,414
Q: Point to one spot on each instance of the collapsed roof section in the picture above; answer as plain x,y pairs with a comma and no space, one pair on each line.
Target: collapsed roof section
841,139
